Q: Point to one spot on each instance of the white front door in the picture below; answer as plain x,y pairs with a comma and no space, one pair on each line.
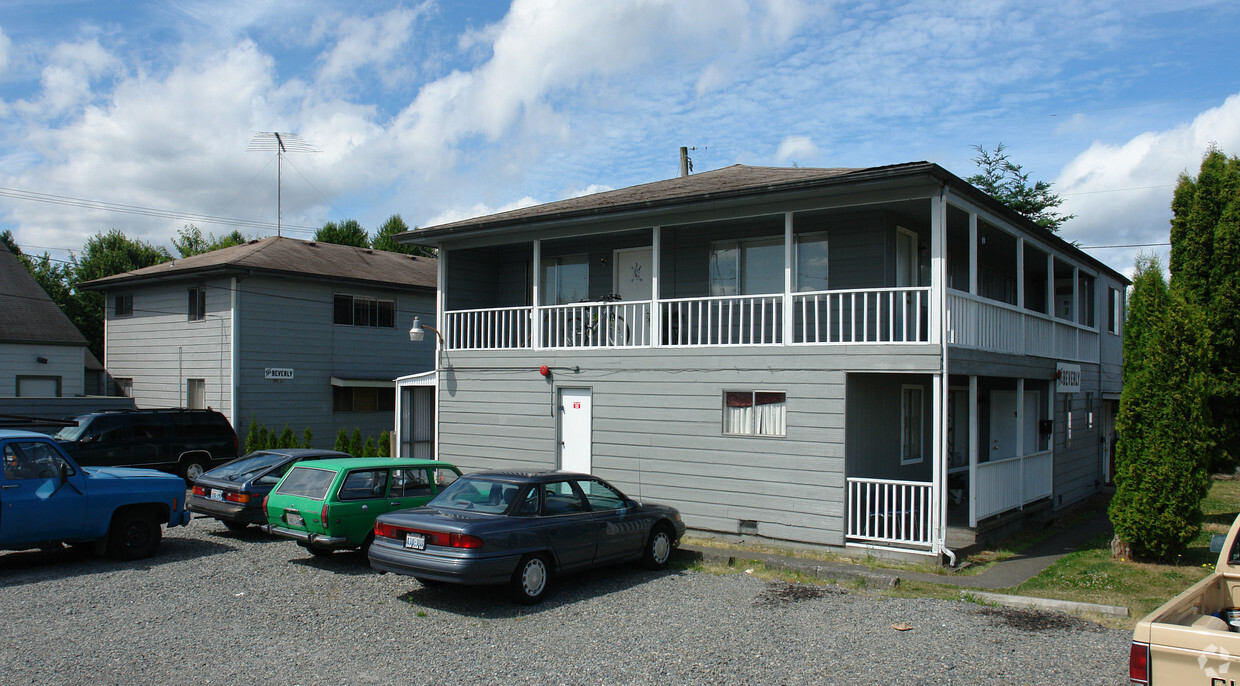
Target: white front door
633,272
575,429
1003,424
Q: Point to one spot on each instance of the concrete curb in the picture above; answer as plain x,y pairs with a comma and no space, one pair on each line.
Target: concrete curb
839,572
1047,604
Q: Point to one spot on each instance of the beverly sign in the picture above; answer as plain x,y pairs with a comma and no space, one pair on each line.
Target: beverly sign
278,373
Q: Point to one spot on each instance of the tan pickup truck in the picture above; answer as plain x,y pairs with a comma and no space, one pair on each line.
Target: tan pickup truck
1189,639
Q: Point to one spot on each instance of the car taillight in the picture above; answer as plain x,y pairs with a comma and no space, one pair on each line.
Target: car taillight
237,497
323,515
199,490
387,531
464,541
1139,663
265,502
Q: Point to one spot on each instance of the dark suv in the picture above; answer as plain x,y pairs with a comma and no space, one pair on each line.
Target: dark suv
185,442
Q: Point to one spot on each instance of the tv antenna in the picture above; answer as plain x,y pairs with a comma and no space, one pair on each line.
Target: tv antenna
280,143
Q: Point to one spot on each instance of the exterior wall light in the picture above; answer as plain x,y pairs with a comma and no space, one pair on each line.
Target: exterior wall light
418,331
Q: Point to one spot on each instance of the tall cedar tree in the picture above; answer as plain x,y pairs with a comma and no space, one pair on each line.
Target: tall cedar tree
1163,422
1007,182
1205,270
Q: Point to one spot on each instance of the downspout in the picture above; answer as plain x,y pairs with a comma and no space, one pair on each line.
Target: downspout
940,287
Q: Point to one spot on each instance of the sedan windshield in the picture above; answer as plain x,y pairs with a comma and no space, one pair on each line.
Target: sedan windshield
248,467
72,433
476,495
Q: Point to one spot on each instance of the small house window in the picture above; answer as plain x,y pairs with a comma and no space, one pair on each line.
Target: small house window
196,394
1115,313
363,399
912,426
565,279
123,305
124,387
748,267
755,413
197,304
352,310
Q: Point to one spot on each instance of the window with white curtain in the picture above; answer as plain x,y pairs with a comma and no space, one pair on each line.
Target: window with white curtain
755,413
912,426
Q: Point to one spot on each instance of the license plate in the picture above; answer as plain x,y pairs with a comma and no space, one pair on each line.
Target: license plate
415,541
294,519
217,494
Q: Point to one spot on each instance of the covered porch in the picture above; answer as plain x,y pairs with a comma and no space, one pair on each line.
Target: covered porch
999,457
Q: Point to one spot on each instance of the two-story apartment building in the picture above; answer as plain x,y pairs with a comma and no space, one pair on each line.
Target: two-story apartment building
278,331
850,357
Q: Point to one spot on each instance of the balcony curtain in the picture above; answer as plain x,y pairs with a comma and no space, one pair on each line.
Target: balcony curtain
762,414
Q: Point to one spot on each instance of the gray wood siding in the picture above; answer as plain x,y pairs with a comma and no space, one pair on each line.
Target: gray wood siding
66,362
1078,463
159,348
657,427
289,324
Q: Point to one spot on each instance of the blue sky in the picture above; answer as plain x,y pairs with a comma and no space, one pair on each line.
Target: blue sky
443,110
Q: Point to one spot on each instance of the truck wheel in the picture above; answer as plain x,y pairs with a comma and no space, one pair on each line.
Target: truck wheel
133,535
191,468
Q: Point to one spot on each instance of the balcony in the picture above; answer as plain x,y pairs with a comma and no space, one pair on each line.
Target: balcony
859,316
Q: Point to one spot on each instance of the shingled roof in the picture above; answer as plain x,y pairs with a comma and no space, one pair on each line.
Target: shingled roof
27,313
292,258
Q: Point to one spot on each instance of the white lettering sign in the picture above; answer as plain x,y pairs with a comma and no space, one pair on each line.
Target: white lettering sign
277,373
1067,378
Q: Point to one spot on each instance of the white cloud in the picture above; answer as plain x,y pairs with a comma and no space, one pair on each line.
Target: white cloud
366,42
1121,193
799,150
67,79
480,210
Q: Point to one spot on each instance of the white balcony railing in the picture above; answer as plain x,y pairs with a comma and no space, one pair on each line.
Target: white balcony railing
723,320
871,315
974,322
604,324
1004,485
502,328
889,512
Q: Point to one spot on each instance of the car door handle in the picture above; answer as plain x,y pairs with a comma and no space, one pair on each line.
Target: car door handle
394,502
8,486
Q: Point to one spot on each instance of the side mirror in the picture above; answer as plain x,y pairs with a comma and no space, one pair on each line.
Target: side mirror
1216,542
630,504
64,473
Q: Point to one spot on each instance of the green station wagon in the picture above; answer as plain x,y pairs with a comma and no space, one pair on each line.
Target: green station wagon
330,505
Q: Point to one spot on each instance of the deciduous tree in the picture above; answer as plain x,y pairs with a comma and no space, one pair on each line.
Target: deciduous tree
347,232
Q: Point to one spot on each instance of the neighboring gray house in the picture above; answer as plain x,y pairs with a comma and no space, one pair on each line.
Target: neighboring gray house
884,358
279,330
42,354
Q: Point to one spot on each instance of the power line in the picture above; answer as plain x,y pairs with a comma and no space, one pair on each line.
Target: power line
1125,245
85,203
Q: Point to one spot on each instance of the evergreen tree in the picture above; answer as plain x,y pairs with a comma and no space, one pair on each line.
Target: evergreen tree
306,437
347,232
383,238
355,444
342,442
1006,182
369,448
287,438
1163,423
251,437
385,444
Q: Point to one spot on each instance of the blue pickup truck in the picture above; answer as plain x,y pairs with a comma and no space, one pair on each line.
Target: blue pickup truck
47,499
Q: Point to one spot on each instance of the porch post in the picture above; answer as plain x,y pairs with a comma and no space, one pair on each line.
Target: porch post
972,253
938,334
1076,312
788,259
1020,435
1020,289
535,313
441,282
938,530
974,436
656,313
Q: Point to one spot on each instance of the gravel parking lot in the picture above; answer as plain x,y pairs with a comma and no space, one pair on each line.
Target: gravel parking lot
217,607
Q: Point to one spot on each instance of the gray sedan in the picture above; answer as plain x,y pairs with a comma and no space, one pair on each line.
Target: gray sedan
521,529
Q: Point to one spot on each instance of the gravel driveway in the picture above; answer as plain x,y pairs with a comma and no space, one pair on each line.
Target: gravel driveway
216,607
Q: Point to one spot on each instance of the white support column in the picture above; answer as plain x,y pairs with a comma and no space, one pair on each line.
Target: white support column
1020,289
938,475
938,271
536,295
938,334
441,280
974,437
789,258
1020,416
972,253
1050,286
656,314
1076,312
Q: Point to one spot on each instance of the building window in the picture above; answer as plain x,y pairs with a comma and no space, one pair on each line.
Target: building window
747,267
565,279
1085,294
122,305
123,387
912,426
38,386
811,260
363,399
196,394
755,413
197,304
1115,313
352,310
